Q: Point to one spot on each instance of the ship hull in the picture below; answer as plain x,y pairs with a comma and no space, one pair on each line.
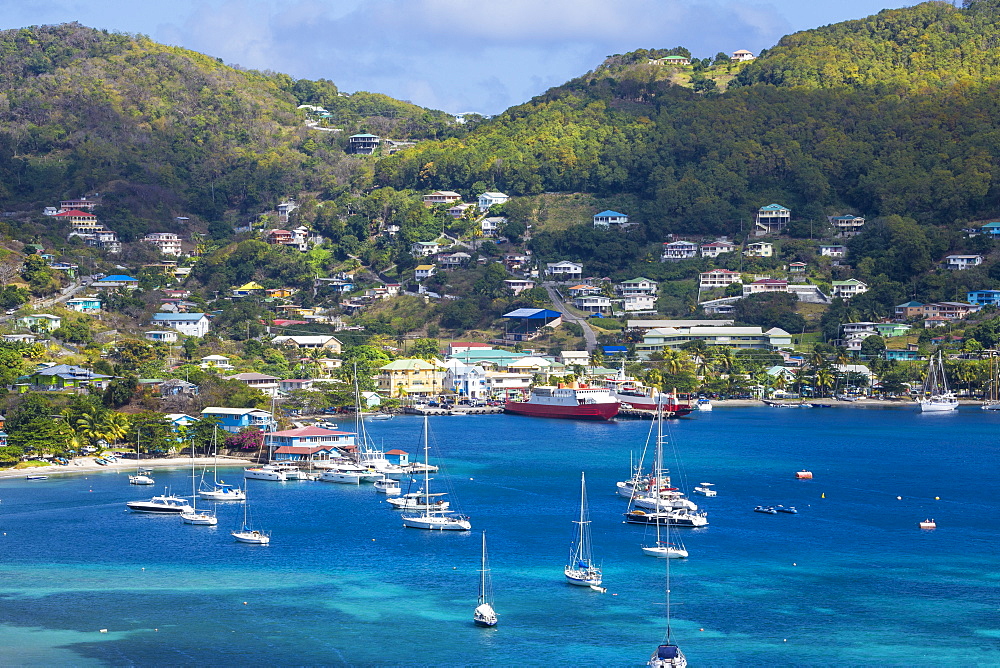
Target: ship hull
581,412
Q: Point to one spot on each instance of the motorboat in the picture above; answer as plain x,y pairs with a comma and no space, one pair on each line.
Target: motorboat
767,510
140,479
704,404
349,473
790,510
380,417
928,524
580,569
419,501
36,477
484,614
387,486
705,489
165,504
266,472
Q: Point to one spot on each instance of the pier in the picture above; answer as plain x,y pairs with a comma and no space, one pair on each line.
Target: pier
464,410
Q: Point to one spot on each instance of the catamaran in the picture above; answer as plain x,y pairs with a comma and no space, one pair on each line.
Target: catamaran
580,569
484,614
936,397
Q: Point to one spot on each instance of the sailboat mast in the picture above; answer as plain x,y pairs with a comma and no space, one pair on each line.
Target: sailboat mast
427,479
482,574
659,465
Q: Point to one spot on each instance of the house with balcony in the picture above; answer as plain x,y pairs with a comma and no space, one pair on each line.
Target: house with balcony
846,226
362,144
639,303
852,287
285,209
80,221
491,225
424,271
456,211
797,267
81,204
278,237
991,229
611,219
518,285
441,197
84,304
892,329
717,248
678,250
583,289
765,285
310,342
258,381
234,420
745,338
960,262
636,286
167,243
983,297
911,309
465,380
307,444
741,56
216,362
453,260
564,270
593,303
40,322
949,310
771,219
832,250
425,248
115,282
189,324
759,249
295,384
55,377
507,384
161,336
410,378
488,199
718,278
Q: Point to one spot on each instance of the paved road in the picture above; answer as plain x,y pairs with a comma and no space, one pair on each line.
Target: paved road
588,333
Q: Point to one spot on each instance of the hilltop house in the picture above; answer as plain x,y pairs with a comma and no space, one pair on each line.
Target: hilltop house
983,297
678,250
564,269
310,342
832,250
609,219
636,286
84,304
991,229
765,285
116,281
424,271
40,322
166,242
189,324
258,381
849,288
960,262
771,219
718,278
161,335
362,144
425,248
593,303
491,225
717,248
63,377
488,199
741,56
847,226
519,285
759,249
441,197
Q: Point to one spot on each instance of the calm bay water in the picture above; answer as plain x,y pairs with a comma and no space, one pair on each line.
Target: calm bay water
851,580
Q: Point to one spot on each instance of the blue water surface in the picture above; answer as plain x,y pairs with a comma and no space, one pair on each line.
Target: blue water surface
850,580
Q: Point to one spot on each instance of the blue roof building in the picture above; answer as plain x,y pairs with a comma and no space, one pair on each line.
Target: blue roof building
983,297
608,219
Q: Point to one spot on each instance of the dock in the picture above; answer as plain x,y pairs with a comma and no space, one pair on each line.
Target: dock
462,410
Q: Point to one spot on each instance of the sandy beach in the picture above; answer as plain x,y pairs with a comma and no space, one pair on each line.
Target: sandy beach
87,465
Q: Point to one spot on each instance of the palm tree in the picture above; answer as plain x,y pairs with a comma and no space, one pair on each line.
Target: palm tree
824,379
673,361
817,359
725,359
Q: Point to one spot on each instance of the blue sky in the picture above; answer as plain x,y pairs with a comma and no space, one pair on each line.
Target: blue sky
456,55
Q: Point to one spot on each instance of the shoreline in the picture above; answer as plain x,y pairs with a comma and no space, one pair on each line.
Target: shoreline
87,465
860,403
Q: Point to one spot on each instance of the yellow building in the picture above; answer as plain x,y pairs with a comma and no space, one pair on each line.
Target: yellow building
410,378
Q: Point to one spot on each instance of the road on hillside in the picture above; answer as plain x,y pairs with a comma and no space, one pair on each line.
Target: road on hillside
588,333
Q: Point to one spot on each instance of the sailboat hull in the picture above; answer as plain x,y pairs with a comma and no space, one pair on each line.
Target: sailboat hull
222,495
665,552
590,577
251,537
484,616
437,523
201,519
938,405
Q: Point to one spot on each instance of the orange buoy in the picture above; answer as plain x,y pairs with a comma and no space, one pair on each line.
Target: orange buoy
804,475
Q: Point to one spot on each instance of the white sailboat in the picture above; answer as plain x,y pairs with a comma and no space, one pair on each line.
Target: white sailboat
219,491
662,548
141,476
936,397
484,614
247,534
668,654
435,520
194,516
580,569
992,403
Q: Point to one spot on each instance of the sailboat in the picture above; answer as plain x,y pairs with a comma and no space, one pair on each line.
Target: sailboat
140,477
193,516
220,491
662,549
434,519
247,534
370,458
668,655
936,397
484,614
580,569
993,402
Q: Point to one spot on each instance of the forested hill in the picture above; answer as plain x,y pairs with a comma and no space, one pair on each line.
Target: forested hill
161,128
830,138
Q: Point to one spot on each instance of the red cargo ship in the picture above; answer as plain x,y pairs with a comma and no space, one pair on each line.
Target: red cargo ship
575,403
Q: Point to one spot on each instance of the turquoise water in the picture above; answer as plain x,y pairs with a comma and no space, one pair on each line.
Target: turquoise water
851,580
